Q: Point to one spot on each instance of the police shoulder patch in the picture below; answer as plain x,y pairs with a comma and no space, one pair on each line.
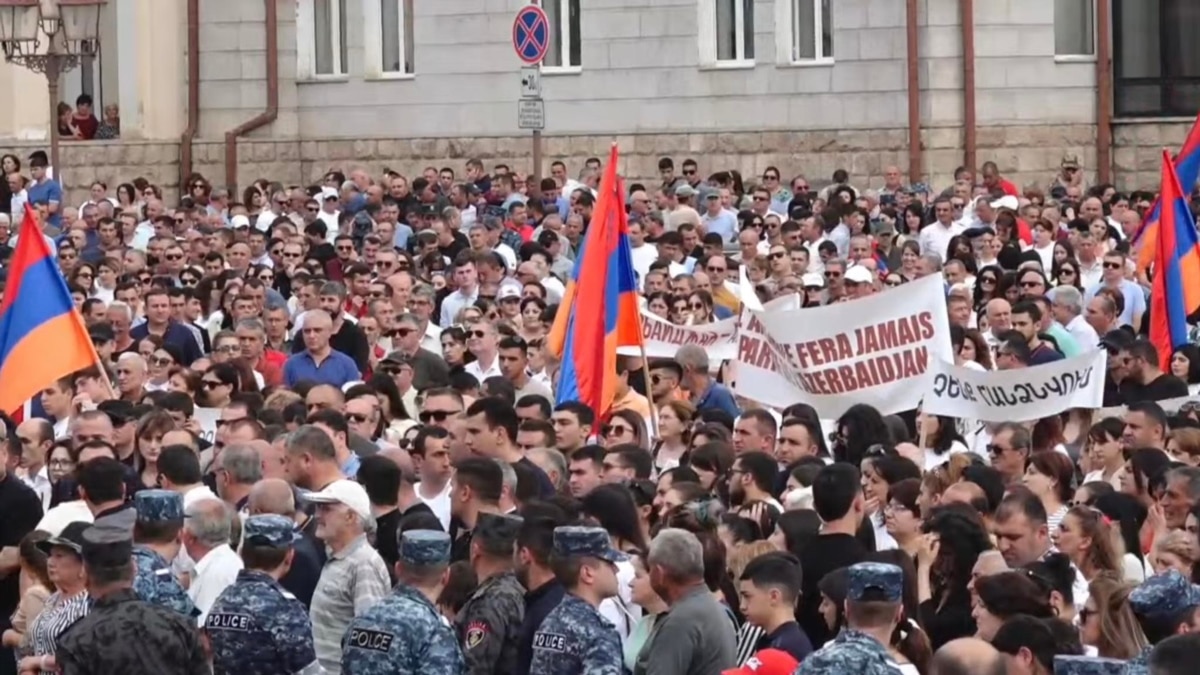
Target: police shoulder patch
553,642
371,640
475,633
162,572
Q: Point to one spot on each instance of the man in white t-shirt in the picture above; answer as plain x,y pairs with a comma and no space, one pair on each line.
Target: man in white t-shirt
431,455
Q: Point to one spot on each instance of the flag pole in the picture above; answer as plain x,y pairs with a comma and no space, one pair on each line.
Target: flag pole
649,392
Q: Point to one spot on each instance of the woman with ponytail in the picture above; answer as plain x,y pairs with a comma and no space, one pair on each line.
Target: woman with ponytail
910,646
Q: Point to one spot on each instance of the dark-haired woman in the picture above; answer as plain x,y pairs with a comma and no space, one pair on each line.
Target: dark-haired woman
954,538
612,507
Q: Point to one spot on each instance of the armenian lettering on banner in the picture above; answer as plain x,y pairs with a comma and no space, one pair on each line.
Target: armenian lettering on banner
664,338
1017,395
876,350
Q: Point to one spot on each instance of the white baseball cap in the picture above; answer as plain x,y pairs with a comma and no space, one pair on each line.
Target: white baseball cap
345,492
812,280
859,275
239,221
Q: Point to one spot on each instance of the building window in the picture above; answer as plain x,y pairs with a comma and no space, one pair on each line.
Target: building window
329,37
734,30
389,48
811,30
1156,59
566,44
1074,28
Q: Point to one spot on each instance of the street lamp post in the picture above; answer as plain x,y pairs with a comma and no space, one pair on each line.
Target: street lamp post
71,29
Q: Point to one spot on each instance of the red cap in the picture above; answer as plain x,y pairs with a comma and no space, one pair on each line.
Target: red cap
767,662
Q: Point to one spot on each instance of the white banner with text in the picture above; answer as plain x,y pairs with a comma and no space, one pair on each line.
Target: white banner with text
664,338
876,350
1017,395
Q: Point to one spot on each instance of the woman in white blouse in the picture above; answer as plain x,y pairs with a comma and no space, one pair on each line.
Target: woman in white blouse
1105,452
1048,475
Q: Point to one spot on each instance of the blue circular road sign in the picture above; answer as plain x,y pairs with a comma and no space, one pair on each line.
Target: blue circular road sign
531,34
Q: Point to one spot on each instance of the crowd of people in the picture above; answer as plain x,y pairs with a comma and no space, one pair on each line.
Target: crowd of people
323,436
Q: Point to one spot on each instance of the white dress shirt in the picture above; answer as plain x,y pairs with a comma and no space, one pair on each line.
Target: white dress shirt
40,482
1085,336
481,373
935,238
215,572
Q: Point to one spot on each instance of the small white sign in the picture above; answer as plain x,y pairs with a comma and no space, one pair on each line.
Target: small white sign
531,82
531,114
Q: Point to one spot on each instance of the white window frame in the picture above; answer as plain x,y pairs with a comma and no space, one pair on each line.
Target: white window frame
1090,8
306,42
707,25
564,29
786,34
373,44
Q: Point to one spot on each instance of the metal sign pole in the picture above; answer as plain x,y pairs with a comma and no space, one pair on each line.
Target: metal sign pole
531,40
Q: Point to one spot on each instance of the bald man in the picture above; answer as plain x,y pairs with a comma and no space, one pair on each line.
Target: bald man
967,493
967,656
273,456
274,495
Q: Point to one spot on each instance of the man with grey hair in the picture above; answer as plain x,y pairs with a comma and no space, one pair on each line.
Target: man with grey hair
1182,491
355,575
707,393
238,468
131,376
928,264
553,463
1067,308
207,533
696,636
508,491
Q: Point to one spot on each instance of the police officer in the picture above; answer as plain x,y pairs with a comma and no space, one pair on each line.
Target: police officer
862,647
404,632
574,639
159,518
1089,665
255,626
122,634
1165,605
489,624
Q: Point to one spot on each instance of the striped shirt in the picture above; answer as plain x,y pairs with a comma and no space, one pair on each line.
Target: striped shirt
352,580
58,613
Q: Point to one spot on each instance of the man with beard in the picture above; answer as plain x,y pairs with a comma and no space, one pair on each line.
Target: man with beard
543,591
750,482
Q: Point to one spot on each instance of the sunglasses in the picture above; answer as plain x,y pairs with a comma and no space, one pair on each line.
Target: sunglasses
777,256
761,199
427,416
477,333
615,430
354,417
1112,266
209,384
994,450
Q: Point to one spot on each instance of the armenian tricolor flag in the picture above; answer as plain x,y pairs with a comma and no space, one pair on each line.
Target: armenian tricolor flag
599,310
1187,167
1176,290
42,336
